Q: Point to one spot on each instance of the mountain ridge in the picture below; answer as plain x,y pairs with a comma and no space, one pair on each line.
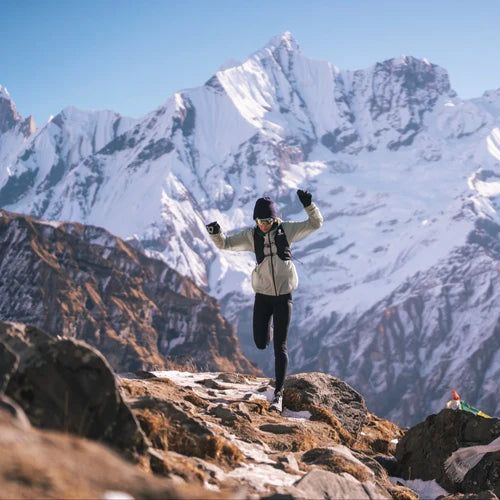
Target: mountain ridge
82,282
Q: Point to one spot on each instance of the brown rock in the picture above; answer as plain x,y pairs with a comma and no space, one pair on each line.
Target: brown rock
65,384
378,436
338,459
224,413
185,434
320,483
197,430
233,378
281,428
41,464
319,389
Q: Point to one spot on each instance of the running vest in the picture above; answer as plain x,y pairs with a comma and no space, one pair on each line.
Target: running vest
283,247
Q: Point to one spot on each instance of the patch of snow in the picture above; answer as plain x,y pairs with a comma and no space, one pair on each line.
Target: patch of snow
259,453
493,141
231,391
429,490
117,495
4,92
261,476
210,486
296,415
51,223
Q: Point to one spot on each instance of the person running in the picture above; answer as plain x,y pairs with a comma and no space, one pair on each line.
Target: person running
274,277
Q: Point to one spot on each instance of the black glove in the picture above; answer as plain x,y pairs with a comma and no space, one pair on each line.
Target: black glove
213,228
305,197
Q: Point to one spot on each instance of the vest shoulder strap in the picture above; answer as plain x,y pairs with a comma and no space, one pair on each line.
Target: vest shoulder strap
258,243
283,247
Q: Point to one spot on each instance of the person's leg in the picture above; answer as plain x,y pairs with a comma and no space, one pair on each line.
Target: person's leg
262,312
282,313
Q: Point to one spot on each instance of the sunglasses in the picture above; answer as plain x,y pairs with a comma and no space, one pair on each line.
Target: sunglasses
267,220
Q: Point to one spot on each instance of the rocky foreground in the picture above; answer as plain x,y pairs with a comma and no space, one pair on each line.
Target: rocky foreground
72,428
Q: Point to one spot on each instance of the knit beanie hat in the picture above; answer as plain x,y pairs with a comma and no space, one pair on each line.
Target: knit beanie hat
264,208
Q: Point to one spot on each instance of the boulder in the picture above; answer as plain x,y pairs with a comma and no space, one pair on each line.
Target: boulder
67,385
319,389
484,476
320,483
225,414
21,339
338,459
323,455
475,468
424,449
17,343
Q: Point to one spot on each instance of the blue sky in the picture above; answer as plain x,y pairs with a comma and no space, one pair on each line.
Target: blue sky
130,55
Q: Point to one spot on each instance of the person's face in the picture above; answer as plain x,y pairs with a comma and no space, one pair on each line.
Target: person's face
265,225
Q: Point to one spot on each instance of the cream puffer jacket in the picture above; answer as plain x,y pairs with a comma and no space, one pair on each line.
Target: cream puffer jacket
272,276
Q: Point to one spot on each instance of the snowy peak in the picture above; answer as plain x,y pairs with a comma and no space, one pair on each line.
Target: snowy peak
4,92
9,117
50,155
284,44
490,101
415,74
386,105
280,92
285,41
228,64
72,115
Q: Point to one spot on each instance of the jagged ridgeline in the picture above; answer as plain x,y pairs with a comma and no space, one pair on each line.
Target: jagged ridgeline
82,282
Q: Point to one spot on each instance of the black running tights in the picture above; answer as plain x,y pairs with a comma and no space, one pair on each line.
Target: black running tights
280,308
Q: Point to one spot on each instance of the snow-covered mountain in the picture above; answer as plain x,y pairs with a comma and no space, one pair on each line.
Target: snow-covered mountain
14,132
399,291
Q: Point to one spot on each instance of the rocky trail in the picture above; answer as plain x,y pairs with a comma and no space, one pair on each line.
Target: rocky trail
70,427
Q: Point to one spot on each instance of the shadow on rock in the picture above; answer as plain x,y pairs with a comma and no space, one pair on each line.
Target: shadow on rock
305,391
65,384
424,450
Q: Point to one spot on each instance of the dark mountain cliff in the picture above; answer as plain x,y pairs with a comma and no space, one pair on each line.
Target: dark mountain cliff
82,282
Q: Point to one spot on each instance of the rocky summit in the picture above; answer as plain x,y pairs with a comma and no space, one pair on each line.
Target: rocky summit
83,283
70,427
